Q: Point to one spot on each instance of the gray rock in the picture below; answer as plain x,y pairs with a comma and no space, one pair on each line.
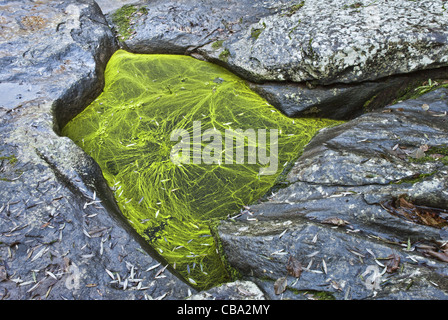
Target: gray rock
336,210
335,42
325,59
183,26
238,290
335,264
61,236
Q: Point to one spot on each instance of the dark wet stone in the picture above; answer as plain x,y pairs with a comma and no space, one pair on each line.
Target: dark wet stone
60,229
350,173
341,101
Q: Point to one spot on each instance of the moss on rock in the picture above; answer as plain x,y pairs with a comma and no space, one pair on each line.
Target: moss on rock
122,20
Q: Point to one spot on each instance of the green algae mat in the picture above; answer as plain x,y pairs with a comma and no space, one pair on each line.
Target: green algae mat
183,143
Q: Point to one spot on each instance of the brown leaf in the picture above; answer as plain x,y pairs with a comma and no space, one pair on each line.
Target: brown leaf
433,217
294,267
280,285
442,256
424,147
45,225
429,218
393,264
405,204
424,247
399,152
335,221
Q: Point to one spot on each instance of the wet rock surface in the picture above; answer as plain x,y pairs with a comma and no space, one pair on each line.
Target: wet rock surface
182,26
335,216
237,290
341,101
336,42
58,238
349,224
289,47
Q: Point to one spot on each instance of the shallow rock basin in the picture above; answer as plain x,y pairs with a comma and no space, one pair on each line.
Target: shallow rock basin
184,143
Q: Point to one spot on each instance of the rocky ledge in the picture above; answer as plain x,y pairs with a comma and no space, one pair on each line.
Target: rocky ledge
358,55
58,238
362,213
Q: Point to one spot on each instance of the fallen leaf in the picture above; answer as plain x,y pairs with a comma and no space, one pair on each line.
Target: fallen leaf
45,225
324,266
161,271
337,286
393,264
437,156
280,285
443,114
429,216
399,151
424,147
335,221
422,246
294,267
405,204
442,256
245,292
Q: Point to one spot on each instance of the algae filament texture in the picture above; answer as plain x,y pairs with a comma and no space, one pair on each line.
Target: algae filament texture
128,128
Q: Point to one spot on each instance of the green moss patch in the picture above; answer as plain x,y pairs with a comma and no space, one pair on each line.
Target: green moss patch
294,8
415,90
255,32
12,160
415,179
122,20
224,55
172,204
217,44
